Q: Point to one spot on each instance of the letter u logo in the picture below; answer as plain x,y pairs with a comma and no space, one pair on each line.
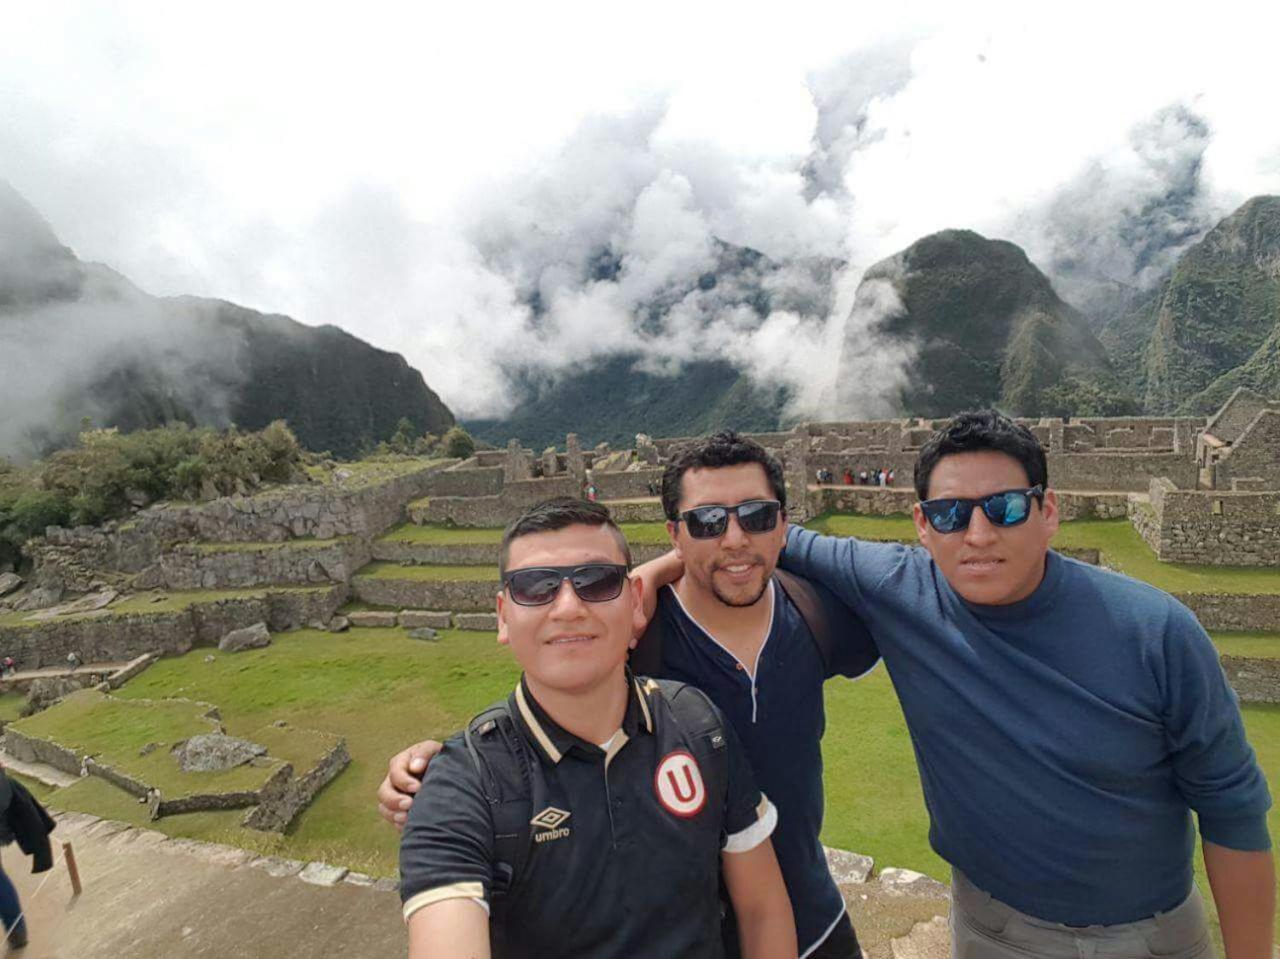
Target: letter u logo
678,783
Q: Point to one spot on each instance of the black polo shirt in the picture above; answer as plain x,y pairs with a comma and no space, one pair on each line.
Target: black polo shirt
619,865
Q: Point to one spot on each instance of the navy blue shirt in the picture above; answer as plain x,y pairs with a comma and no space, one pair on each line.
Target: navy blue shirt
779,718
1065,740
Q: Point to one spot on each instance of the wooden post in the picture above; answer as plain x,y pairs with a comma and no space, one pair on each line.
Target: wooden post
70,856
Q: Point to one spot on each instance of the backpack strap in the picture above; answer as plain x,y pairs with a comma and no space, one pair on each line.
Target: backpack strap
812,610
502,759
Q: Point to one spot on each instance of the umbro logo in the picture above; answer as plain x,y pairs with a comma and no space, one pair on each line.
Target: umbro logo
550,823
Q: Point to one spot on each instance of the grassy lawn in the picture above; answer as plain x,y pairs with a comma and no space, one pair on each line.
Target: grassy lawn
370,472
432,574
11,705
299,543
374,687
1254,645
439,535
1119,543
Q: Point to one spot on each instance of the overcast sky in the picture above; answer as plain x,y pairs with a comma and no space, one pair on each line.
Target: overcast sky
409,172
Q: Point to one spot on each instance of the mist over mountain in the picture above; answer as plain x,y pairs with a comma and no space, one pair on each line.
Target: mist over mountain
984,327
82,343
1213,323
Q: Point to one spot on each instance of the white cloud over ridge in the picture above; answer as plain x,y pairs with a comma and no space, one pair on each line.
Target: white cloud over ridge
421,180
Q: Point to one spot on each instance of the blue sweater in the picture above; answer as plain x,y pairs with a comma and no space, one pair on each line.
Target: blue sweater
1063,741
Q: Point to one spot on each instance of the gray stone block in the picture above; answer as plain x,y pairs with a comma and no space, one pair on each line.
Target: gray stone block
372,618
322,874
487,622
848,867
251,637
417,618
425,633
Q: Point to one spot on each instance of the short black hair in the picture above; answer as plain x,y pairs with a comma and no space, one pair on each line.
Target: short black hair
726,448
559,513
978,430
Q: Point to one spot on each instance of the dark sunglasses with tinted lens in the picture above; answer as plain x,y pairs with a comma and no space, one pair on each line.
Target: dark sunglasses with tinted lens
754,516
539,585
1007,508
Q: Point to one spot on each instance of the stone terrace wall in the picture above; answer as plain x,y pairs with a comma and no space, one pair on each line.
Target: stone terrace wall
276,813
462,481
1227,611
113,637
1212,526
470,595
188,566
1254,680
1130,472
628,484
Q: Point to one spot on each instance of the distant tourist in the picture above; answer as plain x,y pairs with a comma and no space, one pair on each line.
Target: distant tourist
73,660
889,481
8,667
511,849
862,477
848,477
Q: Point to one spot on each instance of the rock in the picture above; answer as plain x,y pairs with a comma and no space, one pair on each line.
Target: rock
907,882
9,582
85,604
358,879
210,658
371,617
426,633
926,940
251,637
339,624
322,874
848,867
214,752
417,618
278,867
148,748
316,573
484,621
386,884
42,597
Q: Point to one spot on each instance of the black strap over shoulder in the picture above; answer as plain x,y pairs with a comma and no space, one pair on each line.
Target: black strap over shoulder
502,759
811,609
646,658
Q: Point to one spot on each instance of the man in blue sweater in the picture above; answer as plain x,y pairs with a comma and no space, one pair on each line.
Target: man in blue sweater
1067,721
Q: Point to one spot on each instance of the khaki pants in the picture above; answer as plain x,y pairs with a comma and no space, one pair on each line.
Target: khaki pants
986,928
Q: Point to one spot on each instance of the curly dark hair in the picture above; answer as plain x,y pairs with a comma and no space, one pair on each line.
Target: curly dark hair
978,430
726,448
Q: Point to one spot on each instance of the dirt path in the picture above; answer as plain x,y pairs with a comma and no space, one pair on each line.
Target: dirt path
147,896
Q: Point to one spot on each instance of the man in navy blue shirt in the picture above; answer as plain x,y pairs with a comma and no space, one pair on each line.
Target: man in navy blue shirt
1068,722
732,631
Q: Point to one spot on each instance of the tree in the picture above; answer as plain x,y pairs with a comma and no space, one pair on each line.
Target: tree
458,443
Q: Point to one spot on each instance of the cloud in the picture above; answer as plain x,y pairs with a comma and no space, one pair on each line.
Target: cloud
506,205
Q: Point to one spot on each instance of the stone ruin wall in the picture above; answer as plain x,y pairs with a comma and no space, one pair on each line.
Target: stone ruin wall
1253,461
1212,527
146,551
38,645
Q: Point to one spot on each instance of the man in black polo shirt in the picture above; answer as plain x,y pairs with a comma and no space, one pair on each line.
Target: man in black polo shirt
731,631
635,792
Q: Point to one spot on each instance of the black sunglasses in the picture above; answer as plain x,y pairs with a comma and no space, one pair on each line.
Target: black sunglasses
539,585
754,516
1006,508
